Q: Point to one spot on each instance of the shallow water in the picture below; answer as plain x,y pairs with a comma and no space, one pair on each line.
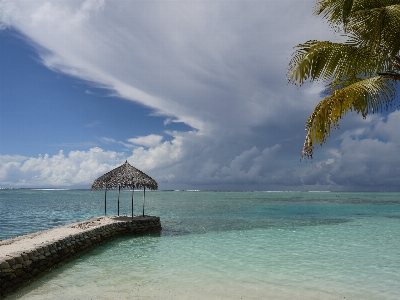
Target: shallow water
221,245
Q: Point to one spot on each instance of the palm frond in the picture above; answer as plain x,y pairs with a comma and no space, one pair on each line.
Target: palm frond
396,63
324,60
362,72
364,96
338,12
377,29
372,4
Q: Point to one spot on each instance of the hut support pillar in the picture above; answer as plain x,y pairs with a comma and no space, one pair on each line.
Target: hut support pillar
119,190
105,202
132,200
144,197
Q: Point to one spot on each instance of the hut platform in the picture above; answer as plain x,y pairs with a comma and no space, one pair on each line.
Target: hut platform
27,257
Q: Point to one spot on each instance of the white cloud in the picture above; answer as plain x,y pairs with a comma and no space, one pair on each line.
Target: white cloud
189,160
367,158
151,140
367,162
167,121
79,168
389,129
94,124
204,64
160,155
250,166
108,140
12,159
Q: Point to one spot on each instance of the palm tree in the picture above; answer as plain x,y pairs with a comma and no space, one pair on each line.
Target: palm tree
360,73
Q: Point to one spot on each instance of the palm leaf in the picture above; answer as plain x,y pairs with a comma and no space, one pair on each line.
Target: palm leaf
316,60
364,96
338,12
377,29
361,72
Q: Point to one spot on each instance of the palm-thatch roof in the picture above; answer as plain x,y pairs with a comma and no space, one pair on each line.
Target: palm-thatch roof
125,176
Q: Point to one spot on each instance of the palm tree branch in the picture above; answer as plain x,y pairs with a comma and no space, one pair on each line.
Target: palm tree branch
324,60
364,96
338,12
377,29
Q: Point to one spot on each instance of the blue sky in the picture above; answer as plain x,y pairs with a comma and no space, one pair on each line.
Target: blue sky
45,111
192,92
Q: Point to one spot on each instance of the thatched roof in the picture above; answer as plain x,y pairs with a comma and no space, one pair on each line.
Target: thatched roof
125,176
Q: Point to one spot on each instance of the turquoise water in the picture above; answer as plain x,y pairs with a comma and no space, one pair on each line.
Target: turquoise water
222,245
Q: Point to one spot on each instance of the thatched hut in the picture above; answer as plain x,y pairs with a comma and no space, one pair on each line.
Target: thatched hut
124,176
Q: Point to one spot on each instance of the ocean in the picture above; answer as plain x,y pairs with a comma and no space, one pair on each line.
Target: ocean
221,245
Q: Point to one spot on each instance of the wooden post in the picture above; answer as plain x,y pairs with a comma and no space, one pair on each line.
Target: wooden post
144,197
119,190
132,200
105,202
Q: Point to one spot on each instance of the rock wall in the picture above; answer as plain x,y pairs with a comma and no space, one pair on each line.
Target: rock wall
20,269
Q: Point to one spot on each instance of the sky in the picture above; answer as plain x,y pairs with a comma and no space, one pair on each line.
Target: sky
194,93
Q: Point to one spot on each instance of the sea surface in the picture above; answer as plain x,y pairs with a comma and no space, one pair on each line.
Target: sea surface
221,245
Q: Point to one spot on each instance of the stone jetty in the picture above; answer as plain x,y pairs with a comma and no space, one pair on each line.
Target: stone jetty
26,258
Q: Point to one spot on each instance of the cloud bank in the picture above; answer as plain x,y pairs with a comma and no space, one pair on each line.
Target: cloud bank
217,66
